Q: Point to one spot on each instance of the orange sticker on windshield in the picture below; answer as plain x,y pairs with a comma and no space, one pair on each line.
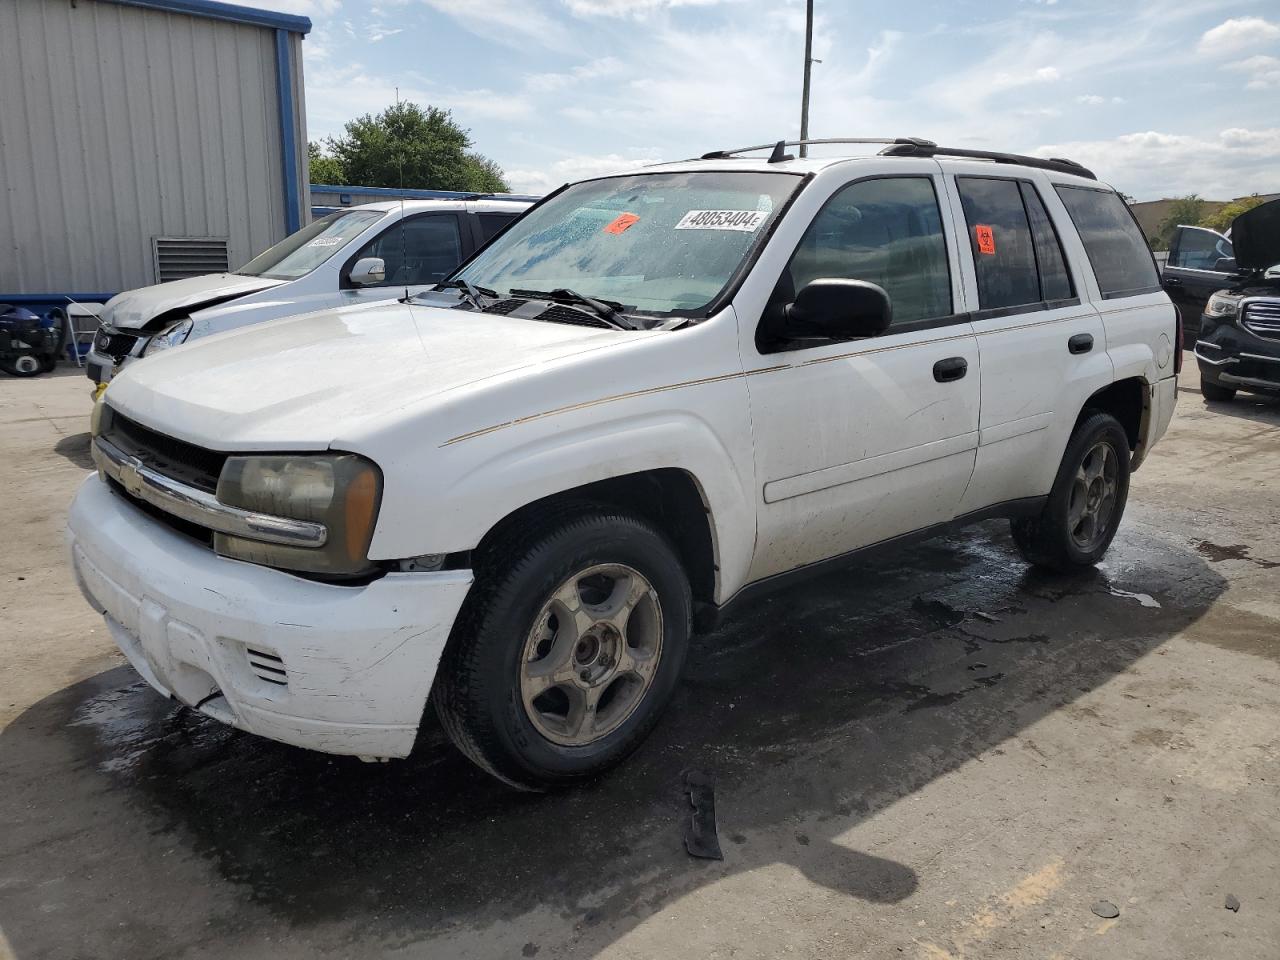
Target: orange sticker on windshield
986,239
621,223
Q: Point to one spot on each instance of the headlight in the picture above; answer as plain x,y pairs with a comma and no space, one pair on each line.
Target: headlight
171,336
340,490
1223,304
96,417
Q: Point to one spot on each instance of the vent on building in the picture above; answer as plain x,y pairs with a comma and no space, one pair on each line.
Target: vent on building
179,257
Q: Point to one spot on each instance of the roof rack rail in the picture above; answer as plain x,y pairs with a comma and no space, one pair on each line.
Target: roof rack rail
779,146
912,147
1058,164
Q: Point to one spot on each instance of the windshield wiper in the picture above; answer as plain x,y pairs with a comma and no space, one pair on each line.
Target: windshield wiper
470,292
606,310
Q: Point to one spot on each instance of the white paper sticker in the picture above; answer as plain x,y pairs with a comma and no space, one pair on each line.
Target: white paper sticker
325,242
745,221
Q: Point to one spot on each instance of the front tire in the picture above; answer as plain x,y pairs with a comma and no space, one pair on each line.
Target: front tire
1084,508
22,365
1213,391
568,648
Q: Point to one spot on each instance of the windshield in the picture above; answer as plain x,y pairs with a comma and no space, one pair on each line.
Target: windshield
300,253
663,243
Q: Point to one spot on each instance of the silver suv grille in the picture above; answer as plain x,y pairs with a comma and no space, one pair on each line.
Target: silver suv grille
1262,318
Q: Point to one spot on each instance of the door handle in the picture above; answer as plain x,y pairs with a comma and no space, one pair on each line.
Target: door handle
952,368
1172,282
1080,343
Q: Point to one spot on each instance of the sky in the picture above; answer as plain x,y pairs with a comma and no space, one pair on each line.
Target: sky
1159,98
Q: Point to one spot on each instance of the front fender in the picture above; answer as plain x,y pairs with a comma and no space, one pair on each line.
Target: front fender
492,478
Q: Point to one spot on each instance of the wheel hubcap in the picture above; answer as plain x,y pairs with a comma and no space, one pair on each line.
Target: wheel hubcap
592,654
27,364
1093,496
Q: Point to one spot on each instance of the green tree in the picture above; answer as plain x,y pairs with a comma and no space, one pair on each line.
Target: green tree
408,147
1186,210
1222,219
324,168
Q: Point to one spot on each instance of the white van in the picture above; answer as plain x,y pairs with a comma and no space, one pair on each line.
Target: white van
371,252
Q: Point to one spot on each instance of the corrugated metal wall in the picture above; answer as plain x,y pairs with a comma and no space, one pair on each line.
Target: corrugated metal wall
119,124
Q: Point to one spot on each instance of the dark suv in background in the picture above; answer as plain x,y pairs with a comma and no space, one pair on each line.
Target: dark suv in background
1227,288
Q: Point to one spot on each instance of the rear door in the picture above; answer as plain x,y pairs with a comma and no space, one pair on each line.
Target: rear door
1041,344
1200,264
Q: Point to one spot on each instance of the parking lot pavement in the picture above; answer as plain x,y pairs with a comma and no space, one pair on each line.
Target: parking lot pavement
938,754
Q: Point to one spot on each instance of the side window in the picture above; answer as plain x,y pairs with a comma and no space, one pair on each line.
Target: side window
491,224
886,231
1055,281
1117,251
1195,248
1004,254
417,251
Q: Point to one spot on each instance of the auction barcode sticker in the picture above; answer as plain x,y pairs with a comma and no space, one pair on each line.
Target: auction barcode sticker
743,220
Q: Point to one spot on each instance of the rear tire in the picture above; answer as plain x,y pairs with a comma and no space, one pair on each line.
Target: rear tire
550,677
1084,508
1213,391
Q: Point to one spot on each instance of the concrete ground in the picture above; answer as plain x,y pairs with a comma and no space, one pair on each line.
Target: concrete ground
939,754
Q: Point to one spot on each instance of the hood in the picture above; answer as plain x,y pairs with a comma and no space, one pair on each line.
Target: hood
305,382
1255,237
136,308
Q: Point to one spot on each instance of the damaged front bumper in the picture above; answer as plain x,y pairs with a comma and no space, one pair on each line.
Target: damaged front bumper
339,669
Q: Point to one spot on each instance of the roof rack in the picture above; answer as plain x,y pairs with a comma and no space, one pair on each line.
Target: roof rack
912,147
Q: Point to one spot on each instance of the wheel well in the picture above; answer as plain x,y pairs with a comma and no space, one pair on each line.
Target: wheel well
1125,400
667,498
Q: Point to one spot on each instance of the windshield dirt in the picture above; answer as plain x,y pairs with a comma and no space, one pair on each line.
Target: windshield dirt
662,243
300,253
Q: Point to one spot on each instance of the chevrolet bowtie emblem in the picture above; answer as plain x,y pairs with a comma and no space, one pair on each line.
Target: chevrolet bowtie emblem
130,479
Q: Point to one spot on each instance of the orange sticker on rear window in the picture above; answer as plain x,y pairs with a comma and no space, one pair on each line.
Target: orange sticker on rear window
621,223
986,239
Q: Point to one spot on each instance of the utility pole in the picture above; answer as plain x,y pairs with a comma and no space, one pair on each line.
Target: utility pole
808,65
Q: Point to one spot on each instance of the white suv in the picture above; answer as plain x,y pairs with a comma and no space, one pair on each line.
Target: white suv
654,395
357,255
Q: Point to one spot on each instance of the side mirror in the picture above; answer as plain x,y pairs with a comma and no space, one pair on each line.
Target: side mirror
367,271
838,310
1225,265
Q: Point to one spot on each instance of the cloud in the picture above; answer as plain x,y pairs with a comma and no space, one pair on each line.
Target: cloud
578,167
513,22
1152,164
1238,33
1093,100
637,9
1263,71
551,82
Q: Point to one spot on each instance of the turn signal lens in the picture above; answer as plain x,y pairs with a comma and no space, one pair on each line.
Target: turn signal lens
341,491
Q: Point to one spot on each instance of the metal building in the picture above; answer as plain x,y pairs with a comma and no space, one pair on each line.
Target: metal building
144,140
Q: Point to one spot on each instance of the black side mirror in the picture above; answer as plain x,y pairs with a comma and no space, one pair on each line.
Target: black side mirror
1225,265
838,310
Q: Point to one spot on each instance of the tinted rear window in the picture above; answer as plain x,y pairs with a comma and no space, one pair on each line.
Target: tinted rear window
1000,236
1117,251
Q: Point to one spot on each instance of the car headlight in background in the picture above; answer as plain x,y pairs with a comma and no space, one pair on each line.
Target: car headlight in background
1223,304
171,336
340,490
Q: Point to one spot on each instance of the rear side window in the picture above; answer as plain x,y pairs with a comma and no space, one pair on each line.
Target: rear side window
887,231
492,224
1195,248
1055,282
1004,253
1117,251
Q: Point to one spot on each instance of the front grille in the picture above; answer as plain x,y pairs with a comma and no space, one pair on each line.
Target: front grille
175,458
1262,318
115,345
267,666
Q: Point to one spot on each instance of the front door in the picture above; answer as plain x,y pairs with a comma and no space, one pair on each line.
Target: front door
858,442
418,251
1200,264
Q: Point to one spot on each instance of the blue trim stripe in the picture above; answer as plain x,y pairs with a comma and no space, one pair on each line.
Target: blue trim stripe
19,299
392,193
231,12
288,134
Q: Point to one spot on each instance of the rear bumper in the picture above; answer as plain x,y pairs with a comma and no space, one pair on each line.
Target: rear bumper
339,669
